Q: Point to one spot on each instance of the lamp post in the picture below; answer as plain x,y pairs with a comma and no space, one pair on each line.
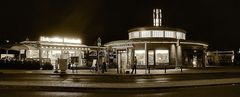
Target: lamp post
99,44
7,48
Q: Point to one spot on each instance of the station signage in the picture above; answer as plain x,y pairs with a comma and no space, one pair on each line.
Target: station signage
60,40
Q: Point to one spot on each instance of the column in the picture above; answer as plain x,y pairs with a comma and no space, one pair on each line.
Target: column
40,54
204,58
172,54
80,57
179,56
146,56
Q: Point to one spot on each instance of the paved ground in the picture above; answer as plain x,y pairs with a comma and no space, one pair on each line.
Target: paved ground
73,86
139,71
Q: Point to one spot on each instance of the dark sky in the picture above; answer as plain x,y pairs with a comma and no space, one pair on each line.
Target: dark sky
213,21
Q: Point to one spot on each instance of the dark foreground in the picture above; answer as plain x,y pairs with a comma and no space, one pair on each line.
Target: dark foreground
206,91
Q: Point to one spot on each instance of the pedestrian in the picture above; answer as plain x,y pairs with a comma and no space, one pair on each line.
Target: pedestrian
105,66
134,67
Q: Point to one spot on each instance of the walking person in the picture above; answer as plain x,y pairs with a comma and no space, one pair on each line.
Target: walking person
134,67
104,67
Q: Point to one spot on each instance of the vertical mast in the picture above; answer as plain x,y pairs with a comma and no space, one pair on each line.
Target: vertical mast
157,17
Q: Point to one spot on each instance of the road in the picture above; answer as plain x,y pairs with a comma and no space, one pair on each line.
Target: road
206,91
229,90
116,78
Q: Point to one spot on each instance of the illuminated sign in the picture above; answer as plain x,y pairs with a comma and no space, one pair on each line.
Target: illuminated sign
58,39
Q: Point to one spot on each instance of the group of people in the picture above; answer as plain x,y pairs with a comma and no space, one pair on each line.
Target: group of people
102,67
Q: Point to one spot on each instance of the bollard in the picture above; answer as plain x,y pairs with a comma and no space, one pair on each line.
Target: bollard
181,68
148,70
165,69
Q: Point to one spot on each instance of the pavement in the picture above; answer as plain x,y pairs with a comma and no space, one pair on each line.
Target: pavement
67,85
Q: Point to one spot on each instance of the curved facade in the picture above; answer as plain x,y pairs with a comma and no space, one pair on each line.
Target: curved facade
157,47
156,32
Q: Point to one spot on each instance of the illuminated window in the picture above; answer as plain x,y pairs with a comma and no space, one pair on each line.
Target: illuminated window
151,57
161,57
184,36
135,34
170,34
140,55
130,35
32,54
145,34
179,35
156,33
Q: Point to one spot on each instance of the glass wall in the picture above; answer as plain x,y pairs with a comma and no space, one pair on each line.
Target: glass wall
140,55
170,34
145,34
151,57
157,34
162,57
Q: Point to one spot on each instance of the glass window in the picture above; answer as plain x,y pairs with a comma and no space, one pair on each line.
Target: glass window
151,57
129,35
145,34
184,36
162,57
135,34
179,35
170,34
32,54
140,55
156,33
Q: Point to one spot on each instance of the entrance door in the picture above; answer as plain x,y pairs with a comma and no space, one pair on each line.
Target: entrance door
122,60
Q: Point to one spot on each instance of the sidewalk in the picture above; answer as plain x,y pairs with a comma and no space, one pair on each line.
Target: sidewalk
139,71
66,85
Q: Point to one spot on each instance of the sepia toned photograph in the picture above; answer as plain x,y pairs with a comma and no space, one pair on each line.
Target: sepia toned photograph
119,48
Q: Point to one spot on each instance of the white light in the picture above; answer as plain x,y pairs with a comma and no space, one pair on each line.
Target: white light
51,39
58,39
68,40
139,51
162,51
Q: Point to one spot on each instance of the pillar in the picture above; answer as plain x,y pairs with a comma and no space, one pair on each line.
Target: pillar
173,54
80,57
179,56
146,55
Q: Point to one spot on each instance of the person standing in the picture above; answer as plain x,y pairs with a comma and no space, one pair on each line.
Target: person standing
104,67
134,67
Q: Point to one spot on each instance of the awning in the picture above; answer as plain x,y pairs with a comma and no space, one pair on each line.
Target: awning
22,47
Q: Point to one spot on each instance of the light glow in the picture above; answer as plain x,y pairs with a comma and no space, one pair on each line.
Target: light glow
59,39
68,40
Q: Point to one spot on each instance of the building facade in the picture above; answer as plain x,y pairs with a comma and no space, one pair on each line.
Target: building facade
50,49
157,46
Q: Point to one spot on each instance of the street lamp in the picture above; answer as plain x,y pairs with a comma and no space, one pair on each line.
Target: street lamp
7,48
99,44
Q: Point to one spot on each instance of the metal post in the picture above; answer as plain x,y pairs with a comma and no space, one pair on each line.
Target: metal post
181,68
99,44
165,69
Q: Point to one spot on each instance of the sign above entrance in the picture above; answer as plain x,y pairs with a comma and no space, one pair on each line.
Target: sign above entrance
60,39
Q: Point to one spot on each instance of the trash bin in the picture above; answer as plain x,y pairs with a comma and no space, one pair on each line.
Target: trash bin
63,65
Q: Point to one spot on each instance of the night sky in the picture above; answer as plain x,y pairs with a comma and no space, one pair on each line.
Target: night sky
213,21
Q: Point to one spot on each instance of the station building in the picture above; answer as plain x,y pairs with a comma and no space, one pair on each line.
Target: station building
158,46
50,49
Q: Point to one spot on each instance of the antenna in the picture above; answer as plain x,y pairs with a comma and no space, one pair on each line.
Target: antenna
157,17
